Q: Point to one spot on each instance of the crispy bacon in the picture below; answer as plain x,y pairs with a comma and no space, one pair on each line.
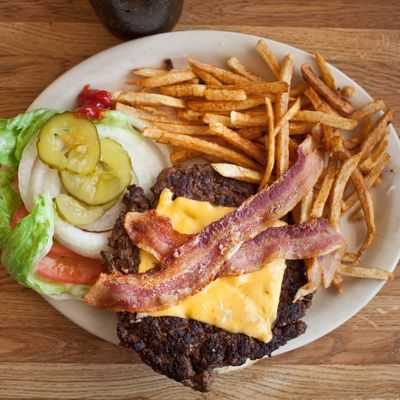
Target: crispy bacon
197,262
155,234
292,242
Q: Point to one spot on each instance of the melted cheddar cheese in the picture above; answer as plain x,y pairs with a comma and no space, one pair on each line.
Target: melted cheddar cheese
239,304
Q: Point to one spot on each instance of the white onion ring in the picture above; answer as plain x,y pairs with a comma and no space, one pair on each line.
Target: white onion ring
87,244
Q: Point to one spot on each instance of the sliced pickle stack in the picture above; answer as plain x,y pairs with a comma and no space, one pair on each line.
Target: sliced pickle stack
93,171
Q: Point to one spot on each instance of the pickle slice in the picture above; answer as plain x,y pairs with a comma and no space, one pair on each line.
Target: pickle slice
67,142
111,176
75,212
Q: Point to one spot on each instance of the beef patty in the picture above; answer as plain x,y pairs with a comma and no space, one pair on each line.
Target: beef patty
186,350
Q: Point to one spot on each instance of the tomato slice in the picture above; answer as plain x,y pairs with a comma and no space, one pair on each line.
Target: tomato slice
61,251
62,264
78,270
20,213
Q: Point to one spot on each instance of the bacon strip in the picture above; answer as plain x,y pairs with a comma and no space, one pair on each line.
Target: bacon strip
155,234
197,262
292,242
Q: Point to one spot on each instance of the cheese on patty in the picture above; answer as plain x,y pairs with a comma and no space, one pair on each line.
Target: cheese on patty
239,304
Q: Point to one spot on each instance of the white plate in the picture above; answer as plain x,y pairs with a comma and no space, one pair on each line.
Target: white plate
109,69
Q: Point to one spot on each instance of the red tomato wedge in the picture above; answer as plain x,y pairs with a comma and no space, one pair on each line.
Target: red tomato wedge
70,270
58,250
62,264
20,213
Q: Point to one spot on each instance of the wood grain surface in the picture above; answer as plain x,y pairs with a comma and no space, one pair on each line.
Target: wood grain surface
45,356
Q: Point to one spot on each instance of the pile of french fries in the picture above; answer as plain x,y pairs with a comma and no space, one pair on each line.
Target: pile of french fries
249,129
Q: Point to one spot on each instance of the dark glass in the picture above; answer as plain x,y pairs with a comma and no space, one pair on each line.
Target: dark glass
129,19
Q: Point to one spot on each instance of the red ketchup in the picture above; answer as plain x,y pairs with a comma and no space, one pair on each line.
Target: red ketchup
92,103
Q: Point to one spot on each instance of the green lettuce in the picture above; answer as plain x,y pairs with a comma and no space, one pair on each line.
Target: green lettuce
116,119
16,132
28,244
9,202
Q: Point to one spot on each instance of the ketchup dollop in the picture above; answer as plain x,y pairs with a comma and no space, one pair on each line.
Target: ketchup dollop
92,103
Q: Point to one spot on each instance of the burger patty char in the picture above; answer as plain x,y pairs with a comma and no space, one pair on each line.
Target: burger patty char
186,350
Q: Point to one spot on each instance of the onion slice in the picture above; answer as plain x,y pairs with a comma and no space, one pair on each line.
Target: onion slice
86,244
106,221
28,159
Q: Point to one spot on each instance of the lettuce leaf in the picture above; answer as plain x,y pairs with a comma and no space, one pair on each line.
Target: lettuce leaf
16,132
28,244
117,119
9,202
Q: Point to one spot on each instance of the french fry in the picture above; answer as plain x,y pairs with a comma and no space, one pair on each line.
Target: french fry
223,119
369,273
352,143
235,64
170,78
357,214
217,106
299,127
195,81
208,79
305,206
331,96
376,134
192,130
350,258
221,74
237,172
147,99
366,127
325,189
327,77
375,155
260,88
315,100
243,120
147,116
361,187
326,119
183,90
202,146
189,115
252,133
225,94
368,109
265,52
348,91
155,111
281,106
149,72
236,140
180,156
183,155
296,91
344,174
269,144
290,113
370,179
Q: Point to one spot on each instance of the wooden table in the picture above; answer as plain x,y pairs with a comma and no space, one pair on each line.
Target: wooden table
43,355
